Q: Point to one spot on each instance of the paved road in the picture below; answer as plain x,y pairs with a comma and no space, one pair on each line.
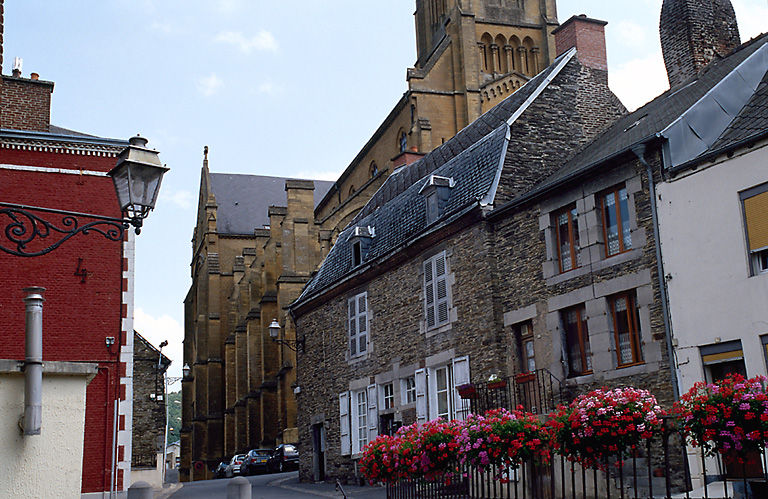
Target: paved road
276,486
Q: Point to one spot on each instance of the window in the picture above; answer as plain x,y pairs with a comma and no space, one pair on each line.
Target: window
443,385
389,396
577,341
616,229
755,206
567,230
357,313
403,141
357,253
626,329
409,390
436,299
524,339
374,169
360,420
432,207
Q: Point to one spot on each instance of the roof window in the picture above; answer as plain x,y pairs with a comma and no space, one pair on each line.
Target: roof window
436,192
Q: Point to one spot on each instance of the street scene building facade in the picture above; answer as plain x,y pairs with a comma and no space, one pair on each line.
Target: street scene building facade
533,247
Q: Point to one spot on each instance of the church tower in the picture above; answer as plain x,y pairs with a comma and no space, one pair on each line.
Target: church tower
695,32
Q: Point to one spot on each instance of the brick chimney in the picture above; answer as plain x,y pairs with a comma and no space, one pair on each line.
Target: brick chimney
588,36
694,33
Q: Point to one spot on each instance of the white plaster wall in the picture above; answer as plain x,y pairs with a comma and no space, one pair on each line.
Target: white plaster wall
46,465
711,292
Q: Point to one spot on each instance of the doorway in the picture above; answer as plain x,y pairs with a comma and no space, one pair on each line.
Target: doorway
318,451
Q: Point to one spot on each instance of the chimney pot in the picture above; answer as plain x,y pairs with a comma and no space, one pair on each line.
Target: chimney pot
34,76
588,36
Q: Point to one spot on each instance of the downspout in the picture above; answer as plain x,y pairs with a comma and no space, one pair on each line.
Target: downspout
639,151
31,421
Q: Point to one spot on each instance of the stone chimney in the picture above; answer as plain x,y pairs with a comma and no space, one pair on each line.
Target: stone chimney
694,33
588,36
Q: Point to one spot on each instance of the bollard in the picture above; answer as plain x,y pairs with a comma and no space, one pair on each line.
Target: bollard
141,490
239,488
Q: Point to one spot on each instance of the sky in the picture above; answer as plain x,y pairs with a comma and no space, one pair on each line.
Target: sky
287,88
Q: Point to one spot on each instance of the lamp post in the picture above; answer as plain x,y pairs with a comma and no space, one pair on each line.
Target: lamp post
136,176
274,332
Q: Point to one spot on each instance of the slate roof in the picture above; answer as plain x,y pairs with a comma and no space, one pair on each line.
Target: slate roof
475,131
473,159
751,121
243,201
649,120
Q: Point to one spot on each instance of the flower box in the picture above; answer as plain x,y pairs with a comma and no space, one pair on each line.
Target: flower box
525,377
495,385
468,391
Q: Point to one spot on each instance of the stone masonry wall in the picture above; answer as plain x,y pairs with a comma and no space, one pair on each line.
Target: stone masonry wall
148,406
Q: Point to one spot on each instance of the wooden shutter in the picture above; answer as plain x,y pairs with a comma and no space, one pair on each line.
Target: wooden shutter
756,213
429,292
441,289
373,414
346,442
362,322
421,395
460,377
352,325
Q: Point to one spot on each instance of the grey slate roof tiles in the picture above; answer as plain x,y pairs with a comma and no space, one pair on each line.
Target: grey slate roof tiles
751,121
243,201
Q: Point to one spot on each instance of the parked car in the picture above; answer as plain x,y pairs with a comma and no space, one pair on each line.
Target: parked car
256,461
233,468
285,457
221,470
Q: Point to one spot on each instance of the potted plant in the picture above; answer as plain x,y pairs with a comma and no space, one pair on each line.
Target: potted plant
494,382
521,378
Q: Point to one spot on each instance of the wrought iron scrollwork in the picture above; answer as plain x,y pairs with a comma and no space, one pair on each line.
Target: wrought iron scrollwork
22,229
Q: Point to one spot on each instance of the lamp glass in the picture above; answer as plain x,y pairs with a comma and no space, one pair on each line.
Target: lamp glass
274,328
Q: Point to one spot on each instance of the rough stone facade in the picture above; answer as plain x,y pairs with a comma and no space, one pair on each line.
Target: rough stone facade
694,33
148,402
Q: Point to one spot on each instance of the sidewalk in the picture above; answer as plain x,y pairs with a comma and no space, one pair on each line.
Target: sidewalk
323,489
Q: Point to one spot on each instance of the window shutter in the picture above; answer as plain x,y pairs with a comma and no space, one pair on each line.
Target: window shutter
460,377
429,292
421,395
373,414
431,394
352,321
756,213
346,443
441,289
362,322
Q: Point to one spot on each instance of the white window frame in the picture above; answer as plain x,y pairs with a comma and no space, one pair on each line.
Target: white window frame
388,396
408,392
433,280
344,424
457,374
359,419
354,314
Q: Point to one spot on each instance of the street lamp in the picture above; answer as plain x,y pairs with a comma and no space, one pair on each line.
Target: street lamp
186,370
274,332
136,176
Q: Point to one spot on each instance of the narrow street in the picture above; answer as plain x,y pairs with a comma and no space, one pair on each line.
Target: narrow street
276,486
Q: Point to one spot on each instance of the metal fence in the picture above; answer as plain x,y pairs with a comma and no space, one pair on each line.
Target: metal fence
658,468
537,392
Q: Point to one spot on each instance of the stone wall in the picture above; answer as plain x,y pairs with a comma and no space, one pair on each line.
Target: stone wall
148,403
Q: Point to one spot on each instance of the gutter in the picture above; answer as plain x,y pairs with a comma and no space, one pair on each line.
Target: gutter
639,151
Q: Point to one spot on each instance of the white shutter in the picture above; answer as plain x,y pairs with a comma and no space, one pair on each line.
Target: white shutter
441,290
460,377
362,322
346,443
421,395
373,414
432,393
352,322
429,293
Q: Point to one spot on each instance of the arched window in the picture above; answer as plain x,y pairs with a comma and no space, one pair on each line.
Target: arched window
500,55
403,142
374,169
351,190
530,57
514,54
486,62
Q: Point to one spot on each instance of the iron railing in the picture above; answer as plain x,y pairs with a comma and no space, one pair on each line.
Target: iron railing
537,392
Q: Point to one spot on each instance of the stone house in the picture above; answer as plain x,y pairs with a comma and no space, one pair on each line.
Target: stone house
149,411
408,304
254,247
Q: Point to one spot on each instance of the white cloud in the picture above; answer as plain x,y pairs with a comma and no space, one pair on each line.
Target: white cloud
638,81
228,5
751,15
182,199
263,41
158,329
209,85
631,34
269,88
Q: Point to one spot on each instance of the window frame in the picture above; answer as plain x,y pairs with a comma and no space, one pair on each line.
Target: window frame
357,316
755,256
358,431
585,354
523,335
620,222
388,399
633,323
573,237
409,392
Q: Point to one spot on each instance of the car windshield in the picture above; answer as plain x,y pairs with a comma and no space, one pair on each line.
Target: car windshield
262,453
290,450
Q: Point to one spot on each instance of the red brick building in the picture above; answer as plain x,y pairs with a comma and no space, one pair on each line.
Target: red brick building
88,278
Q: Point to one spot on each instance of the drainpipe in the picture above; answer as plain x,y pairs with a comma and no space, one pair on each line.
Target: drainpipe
33,364
639,151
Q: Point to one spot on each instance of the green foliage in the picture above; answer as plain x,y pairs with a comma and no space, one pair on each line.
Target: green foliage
174,416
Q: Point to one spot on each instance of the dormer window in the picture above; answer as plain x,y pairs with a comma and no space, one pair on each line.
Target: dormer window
361,241
436,192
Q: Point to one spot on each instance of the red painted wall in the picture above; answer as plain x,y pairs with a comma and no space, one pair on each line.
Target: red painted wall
77,316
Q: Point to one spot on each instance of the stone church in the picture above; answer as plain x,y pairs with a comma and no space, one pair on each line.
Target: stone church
258,239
